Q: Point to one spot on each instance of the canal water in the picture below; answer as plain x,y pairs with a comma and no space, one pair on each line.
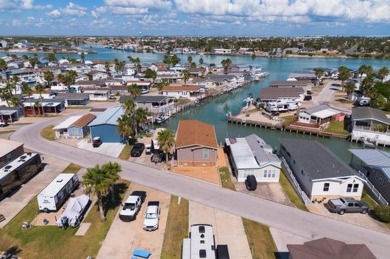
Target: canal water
215,111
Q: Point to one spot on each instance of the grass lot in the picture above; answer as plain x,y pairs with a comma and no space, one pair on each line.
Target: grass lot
176,229
6,131
225,178
72,169
125,154
48,133
46,241
287,120
337,127
291,193
260,240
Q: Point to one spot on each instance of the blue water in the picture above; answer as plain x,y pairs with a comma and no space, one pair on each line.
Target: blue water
215,111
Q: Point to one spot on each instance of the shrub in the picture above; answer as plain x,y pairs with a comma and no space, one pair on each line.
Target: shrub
383,213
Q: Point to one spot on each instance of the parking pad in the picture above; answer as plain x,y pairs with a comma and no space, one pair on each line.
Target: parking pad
108,149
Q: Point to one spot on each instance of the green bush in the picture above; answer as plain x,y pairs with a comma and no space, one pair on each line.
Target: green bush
383,213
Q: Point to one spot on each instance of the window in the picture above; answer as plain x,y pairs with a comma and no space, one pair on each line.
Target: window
349,187
265,173
206,153
326,187
355,187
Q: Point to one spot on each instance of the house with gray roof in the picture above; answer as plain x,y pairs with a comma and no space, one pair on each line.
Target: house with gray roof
370,125
320,114
375,165
275,94
252,156
155,104
104,126
320,173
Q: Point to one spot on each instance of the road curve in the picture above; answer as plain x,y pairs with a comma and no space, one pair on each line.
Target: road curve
276,215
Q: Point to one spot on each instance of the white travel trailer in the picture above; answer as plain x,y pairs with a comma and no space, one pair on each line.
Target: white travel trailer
282,106
54,195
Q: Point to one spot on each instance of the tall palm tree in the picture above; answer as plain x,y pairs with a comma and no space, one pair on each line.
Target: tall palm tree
166,140
134,90
319,72
40,89
14,80
3,64
26,89
189,59
366,69
38,104
129,107
97,183
48,76
186,75
107,67
6,92
112,171
344,74
201,61
226,63
82,56
125,127
367,85
383,72
15,101
141,117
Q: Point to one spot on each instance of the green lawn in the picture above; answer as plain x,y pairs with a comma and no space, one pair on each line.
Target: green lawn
291,193
125,154
176,229
48,133
226,179
72,169
46,241
260,240
337,127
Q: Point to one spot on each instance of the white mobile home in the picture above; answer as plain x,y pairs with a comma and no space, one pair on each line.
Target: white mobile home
54,195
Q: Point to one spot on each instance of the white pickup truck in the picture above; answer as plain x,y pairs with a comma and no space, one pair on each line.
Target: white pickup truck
132,206
152,216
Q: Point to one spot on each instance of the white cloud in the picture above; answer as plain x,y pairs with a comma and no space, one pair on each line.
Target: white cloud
29,4
55,14
6,4
128,10
74,10
158,4
16,22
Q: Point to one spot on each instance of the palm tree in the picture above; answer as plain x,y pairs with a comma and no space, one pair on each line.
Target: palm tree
166,140
40,89
366,69
112,171
38,104
26,89
150,73
82,56
201,61
344,74
134,90
186,75
3,64
319,72
129,107
367,85
189,59
15,101
107,67
97,183
125,127
48,76
383,72
226,63
141,117
14,80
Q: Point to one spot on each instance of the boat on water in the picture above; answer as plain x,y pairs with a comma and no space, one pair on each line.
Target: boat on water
161,118
257,73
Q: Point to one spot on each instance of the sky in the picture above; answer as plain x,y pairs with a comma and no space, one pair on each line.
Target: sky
195,17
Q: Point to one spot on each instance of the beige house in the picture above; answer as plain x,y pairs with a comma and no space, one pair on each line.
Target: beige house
196,143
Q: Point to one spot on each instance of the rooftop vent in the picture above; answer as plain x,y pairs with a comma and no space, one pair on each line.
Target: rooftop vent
201,229
59,180
23,157
8,167
202,236
202,253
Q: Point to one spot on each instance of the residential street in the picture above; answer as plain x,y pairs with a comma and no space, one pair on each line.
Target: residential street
276,215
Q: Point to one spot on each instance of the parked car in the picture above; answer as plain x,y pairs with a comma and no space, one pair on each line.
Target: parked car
137,150
3,123
251,182
144,91
148,149
96,142
157,158
347,205
152,216
132,206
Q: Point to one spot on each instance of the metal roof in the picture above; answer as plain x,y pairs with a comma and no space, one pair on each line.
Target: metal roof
368,113
242,154
280,92
151,98
261,150
8,146
109,116
69,121
315,159
375,158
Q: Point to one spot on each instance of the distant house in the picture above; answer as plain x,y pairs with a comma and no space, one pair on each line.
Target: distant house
98,95
369,124
274,94
326,248
104,126
252,156
156,104
222,51
196,143
320,114
305,84
375,165
43,106
9,151
74,126
74,99
319,172
185,91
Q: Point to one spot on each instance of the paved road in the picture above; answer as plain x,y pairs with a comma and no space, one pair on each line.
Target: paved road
278,216
326,95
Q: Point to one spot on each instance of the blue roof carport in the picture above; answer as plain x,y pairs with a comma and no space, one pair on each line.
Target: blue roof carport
104,126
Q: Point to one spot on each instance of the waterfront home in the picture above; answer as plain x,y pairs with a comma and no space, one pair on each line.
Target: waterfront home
375,165
74,126
181,91
43,106
159,66
9,151
329,248
11,114
275,94
155,104
317,115
222,51
220,81
105,125
370,125
252,156
305,75
196,143
305,84
320,173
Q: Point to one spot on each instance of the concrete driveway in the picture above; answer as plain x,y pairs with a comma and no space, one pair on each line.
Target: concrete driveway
11,206
228,228
108,149
124,237
270,191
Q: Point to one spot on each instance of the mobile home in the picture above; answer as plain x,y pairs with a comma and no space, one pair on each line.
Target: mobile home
55,194
18,172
